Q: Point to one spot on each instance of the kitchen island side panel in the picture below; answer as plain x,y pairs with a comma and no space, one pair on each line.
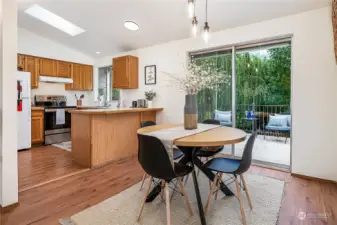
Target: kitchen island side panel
114,137
81,139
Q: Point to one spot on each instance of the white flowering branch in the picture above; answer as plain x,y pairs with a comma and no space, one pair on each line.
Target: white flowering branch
199,77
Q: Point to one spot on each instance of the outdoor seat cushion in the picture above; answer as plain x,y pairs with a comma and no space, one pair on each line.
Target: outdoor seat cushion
278,121
223,116
277,128
228,124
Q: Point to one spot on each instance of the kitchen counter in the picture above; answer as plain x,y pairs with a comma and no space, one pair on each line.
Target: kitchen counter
37,108
100,136
104,111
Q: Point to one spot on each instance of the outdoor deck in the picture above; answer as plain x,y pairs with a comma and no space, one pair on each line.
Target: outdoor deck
270,147
272,150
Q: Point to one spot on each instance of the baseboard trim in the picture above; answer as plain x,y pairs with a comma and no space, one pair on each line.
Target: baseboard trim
312,178
8,208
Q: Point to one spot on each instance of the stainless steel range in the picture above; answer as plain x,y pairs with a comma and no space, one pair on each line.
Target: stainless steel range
57,119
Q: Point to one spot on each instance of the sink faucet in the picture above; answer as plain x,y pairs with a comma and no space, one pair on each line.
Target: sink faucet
104,101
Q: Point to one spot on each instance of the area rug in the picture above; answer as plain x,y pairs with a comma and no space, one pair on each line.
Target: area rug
122,209
64,145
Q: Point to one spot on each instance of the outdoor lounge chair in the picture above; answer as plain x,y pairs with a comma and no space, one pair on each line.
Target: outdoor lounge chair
225,117
278,127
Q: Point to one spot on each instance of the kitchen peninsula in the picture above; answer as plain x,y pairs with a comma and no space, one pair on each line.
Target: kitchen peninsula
100,136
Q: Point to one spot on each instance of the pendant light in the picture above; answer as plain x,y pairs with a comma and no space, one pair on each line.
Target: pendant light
194,23
194,26
191,8
206,27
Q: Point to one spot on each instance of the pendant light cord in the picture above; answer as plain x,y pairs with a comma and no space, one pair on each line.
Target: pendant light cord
206,10
195,1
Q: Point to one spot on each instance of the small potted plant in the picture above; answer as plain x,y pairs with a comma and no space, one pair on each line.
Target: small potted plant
149,96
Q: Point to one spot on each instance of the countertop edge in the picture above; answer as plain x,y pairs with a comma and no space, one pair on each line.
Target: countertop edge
113,111
34,108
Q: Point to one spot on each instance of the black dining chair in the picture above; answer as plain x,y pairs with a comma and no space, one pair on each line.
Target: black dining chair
207,151
235,167
155,161
177,154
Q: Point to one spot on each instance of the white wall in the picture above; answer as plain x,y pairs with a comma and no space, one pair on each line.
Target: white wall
314,82
8,117
32,44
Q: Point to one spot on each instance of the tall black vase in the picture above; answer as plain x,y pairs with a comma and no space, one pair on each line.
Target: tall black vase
191,112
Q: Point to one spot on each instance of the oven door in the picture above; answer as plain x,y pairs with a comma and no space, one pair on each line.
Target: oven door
53,132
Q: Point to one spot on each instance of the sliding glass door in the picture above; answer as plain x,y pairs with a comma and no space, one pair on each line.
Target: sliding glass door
257,98
211,100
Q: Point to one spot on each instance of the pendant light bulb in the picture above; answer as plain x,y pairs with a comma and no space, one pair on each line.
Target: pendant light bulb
194,26
191,8
206,32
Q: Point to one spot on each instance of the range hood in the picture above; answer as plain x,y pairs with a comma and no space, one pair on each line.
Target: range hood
56,80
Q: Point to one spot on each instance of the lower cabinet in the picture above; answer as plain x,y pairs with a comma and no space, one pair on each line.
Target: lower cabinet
37,122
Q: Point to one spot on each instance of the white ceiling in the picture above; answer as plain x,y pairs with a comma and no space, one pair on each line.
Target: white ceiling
160,20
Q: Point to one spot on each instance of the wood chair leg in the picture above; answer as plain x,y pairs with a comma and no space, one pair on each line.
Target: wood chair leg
211,193
162,189
185,197
145,196
246,190
186,178
168,210
240,200
218,186
144,177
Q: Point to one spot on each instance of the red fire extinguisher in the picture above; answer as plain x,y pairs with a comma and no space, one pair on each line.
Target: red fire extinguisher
19,100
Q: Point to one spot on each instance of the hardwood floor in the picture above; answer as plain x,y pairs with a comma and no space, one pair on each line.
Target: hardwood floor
43,164
63,198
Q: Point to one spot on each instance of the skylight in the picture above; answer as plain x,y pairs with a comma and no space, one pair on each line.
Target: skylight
54,20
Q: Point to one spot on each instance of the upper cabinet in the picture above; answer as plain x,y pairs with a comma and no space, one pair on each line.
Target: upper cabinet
125,72
30,64
82,76
21,62
48,67
63,69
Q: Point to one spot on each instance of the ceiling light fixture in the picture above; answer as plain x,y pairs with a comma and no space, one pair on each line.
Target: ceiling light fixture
206,33
98,53
54,20
194,26
131,25
206,27
194,22
191,8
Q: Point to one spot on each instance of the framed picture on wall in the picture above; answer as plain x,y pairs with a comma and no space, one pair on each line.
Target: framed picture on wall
150,74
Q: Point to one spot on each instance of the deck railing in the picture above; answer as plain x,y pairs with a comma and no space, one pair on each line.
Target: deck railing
261,113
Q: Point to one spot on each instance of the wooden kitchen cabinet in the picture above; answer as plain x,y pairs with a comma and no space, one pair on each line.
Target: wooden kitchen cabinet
48,67
37,122
82,76
21,61
31,64
86,77
63,69
125,72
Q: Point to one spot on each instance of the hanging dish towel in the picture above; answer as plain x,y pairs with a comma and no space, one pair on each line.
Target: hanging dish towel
60,117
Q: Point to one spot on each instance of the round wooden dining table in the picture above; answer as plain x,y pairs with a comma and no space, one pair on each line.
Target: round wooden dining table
189,145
